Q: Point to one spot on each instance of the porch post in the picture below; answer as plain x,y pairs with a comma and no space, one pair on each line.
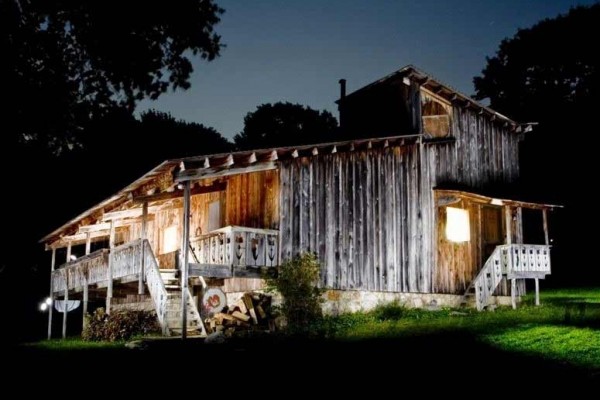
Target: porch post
513,281
142,259
65,302
52,264
88,243
185,247
68,252
513,296
508,221
111,245
546,236
85,283
547,241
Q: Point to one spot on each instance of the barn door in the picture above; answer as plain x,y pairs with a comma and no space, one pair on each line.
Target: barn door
492,230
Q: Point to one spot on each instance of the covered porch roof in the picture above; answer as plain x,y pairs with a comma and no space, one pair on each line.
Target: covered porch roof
449,196
162,182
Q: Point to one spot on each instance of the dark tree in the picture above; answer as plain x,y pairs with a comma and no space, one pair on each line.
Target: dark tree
285,124
67,62
550,74
181,138
547,72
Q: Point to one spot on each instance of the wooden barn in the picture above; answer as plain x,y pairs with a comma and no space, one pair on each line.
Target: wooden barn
406,209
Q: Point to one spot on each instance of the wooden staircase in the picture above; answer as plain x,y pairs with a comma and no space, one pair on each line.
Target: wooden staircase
165,290
172,316
511,261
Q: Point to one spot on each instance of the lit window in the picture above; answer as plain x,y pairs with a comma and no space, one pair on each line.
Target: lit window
457,225
169,242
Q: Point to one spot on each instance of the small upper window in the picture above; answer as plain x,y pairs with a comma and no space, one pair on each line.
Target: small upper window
436,115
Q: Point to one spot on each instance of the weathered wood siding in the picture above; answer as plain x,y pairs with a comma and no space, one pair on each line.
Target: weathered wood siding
484,154
371,215
360,212
252,200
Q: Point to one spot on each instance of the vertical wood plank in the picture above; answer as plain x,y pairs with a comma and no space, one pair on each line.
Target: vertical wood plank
88,243
508,224
143,235
66,302
545,221
51,306
111,245
85,303
513,293
185,251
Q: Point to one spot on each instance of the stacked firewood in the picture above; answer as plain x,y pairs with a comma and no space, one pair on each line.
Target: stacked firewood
251,312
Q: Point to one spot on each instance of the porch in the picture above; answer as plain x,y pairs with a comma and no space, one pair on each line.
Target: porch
228,252
489,246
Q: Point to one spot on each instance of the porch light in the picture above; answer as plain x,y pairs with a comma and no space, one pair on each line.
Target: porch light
43,307
48,301
73,257
457,225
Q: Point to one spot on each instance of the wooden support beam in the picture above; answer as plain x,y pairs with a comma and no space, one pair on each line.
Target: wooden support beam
513,293
185,250
143,237
215,187
111,244
221,271
66,301
202,173
51,306
508,224
519,226
537,292
85,302
88,243
545,220
68,252
129,213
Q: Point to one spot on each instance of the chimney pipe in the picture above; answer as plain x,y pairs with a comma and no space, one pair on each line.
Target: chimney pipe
342,89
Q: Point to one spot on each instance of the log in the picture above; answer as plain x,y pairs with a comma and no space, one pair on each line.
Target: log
240,316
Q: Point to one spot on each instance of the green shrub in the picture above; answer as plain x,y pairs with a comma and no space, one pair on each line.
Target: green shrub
119,325
297,282
389,312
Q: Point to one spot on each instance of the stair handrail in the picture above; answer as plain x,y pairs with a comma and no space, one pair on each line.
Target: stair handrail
488,279
156,286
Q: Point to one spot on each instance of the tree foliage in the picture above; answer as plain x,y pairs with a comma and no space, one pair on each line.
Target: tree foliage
550,74
66,62
285,124
546,72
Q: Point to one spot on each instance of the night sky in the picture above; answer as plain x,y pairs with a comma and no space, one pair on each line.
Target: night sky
283,51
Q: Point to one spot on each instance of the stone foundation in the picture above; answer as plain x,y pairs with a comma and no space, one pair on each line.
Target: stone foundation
350,301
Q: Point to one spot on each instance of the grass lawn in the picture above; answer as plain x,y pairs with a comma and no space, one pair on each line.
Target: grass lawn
550,345
565,328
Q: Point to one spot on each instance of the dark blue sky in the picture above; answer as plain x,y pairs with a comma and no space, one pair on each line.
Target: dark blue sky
283,50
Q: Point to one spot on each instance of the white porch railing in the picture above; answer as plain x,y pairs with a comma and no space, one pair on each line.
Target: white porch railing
521,259
238,246
511,261
88,269
156,286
